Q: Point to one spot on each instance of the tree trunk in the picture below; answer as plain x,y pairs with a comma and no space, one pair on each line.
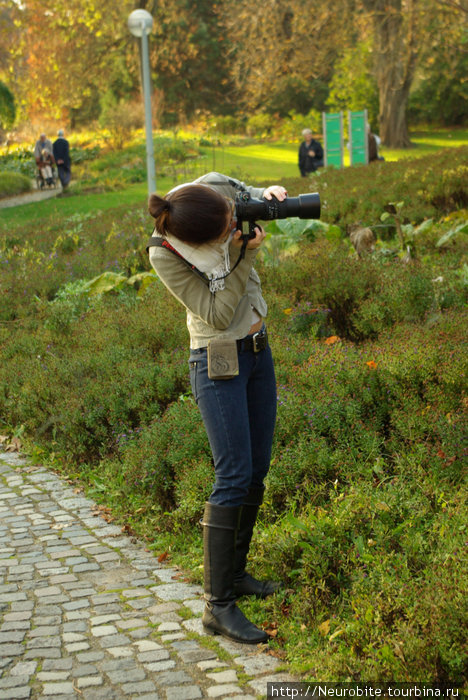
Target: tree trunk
395,59
393,100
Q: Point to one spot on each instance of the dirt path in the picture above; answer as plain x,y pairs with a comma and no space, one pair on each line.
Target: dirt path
29,197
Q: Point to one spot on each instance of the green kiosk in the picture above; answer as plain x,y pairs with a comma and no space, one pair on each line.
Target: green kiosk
333,138
358,145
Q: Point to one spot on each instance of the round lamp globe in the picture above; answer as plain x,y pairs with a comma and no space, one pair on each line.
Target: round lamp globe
140,22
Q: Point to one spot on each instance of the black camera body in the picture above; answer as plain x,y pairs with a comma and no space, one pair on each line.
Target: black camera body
248,208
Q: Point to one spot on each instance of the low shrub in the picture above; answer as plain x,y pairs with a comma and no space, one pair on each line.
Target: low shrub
13,183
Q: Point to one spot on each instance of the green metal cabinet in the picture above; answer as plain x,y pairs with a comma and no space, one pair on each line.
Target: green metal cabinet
333,138
358,144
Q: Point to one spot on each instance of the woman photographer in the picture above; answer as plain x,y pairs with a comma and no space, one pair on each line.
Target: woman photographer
196,252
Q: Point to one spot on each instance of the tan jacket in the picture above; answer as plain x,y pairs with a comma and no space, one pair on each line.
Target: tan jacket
227,312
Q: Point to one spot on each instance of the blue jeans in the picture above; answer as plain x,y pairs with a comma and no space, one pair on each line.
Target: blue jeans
239,415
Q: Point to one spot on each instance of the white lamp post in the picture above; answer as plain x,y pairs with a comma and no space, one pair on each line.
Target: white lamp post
140,24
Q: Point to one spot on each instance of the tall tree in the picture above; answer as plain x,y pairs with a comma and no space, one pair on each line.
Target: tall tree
188,56
66,51
395,25
282,51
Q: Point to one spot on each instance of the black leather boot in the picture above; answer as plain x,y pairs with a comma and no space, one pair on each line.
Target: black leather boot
221,615
244,583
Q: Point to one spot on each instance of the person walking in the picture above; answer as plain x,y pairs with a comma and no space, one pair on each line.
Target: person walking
61,151
310,154
208,266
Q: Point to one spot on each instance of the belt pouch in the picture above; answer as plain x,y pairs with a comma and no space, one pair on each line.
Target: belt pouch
223,361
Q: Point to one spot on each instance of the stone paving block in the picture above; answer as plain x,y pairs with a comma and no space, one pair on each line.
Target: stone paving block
147,645
57,664
172,637
42,654
163,608
76,646
126,676
11,650
174,678
64,688
114,640
169,627
44,631
104,619
88,681
16,625
193,655
103,630
135,689
43,643
23,668
159,666
135,593
211,663
13,681
52,676
10,637
197,606
147,657
220,691
184,692
174,591
256,664
223,677
19,693
120,652
131,623
90,657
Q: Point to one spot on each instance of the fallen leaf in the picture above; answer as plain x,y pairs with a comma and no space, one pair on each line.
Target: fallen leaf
382,506
14,446
277,653
60,526
335,634
324,628
271,628
162,557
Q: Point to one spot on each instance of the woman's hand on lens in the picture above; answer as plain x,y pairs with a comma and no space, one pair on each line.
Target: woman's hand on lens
253,242
277,191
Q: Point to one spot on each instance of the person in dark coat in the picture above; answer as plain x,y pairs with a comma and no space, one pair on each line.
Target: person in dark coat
310,154
61,150
373,142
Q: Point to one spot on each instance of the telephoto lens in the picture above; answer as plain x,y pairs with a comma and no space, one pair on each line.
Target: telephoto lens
305,206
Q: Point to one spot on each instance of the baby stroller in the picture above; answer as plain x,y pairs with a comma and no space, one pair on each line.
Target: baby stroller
46,174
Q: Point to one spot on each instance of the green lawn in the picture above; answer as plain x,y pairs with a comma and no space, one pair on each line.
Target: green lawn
271,162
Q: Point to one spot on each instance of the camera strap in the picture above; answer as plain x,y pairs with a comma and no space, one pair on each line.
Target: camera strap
162,243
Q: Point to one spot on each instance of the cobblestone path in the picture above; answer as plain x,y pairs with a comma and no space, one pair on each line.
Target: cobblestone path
87,613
